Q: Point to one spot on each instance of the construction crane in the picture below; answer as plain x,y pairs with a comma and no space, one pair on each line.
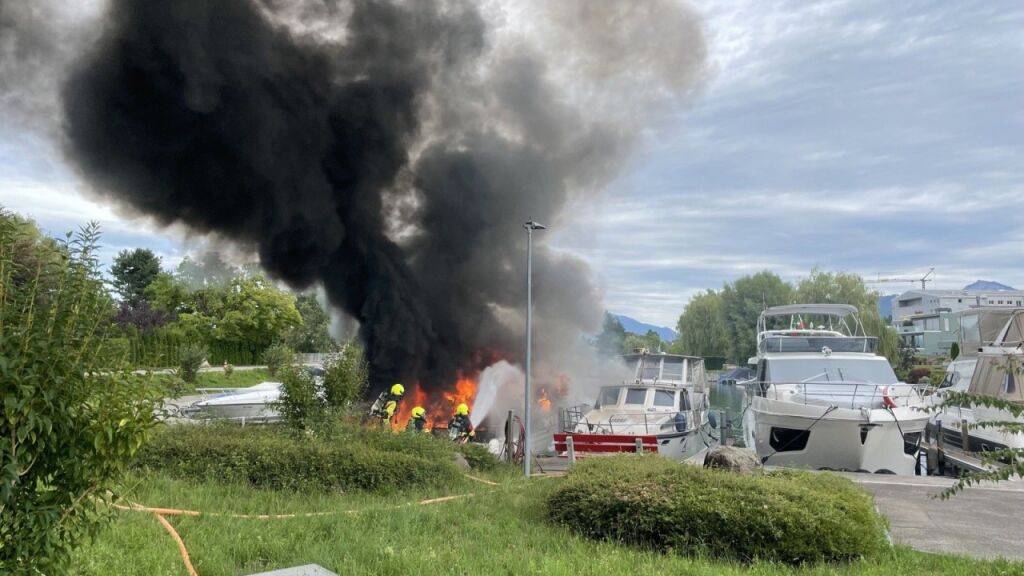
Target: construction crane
924,280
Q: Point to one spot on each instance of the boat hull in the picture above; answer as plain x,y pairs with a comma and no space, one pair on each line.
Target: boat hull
980,439
819,438
254,412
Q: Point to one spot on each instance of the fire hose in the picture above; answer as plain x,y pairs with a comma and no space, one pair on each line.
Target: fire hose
161,513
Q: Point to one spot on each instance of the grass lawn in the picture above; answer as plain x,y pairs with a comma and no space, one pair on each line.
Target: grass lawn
238,379
500,530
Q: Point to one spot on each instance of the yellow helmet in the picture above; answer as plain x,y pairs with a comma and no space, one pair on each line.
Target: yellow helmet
418,412
397,389
462,409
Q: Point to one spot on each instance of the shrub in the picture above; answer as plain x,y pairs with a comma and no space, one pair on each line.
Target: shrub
925,375
790,516
277,356
70,423
190,359
345,376
299,404
479,457
269,457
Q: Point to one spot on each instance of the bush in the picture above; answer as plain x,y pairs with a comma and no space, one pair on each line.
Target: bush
299,404
479,457
789,516
70,423
190,359
268,457
345,376
277,356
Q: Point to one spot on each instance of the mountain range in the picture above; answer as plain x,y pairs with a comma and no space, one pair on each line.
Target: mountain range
634,326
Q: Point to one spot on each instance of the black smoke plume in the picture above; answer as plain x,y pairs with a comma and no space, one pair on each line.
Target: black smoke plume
388,150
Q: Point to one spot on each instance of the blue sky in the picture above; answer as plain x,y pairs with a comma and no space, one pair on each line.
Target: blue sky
872,137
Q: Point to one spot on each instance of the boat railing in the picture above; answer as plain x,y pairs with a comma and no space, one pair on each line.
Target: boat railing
816,343
572,418
858,393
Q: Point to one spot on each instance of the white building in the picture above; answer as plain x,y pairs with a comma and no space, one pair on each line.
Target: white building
931,302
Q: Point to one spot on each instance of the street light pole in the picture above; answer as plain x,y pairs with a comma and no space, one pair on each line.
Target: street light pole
527,449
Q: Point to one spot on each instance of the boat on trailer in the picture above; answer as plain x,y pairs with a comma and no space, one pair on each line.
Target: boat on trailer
823,399
251,404
662,408
991,364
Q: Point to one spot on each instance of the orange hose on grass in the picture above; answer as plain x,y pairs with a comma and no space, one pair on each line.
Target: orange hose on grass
179,512
181,544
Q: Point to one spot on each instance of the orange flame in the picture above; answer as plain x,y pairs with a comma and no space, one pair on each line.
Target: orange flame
543,400
439,408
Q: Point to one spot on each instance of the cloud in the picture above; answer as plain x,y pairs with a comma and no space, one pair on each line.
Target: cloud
873,137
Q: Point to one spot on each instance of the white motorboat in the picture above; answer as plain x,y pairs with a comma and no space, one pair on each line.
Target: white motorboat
823,399
990,364
663,408
252,404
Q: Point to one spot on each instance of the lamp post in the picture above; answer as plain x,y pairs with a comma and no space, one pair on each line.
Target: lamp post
527,451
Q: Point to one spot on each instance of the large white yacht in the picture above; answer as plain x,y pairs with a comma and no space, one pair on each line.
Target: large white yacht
663,407
990,364
823,399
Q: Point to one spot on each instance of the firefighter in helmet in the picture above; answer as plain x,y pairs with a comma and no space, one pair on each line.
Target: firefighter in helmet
386,406
460,428
417,420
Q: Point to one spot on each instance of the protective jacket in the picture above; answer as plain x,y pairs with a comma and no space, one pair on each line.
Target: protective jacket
460,426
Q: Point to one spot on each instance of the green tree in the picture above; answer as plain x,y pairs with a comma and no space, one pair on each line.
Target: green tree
845,288
71,420
345,376
133,271
701,327
742,303
650,341
208,271
299,405
278,357
313,334
167,294
253,310
612,337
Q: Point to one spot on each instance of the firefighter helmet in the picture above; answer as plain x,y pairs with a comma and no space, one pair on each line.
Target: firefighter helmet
462,409
418,412
397,389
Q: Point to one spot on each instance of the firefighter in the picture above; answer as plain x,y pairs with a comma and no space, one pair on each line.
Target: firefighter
460,428
417,420
386,406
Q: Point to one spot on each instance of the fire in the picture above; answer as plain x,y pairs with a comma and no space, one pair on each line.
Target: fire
543,400
440,408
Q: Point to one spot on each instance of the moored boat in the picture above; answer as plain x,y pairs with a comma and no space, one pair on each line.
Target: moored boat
990,364
662,407
823,399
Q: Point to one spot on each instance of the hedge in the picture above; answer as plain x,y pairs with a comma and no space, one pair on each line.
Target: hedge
270,457
787,516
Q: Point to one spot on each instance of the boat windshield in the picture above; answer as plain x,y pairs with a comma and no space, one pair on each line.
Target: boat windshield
824,370
608,397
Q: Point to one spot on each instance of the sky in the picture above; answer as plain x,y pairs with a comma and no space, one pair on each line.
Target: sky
882,138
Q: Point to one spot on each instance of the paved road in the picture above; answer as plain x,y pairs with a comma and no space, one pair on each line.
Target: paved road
981,521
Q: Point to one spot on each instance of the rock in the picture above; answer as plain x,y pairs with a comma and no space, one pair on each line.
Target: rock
739,460
460,461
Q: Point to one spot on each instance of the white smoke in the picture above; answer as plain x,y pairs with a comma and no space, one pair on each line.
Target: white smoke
500,381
